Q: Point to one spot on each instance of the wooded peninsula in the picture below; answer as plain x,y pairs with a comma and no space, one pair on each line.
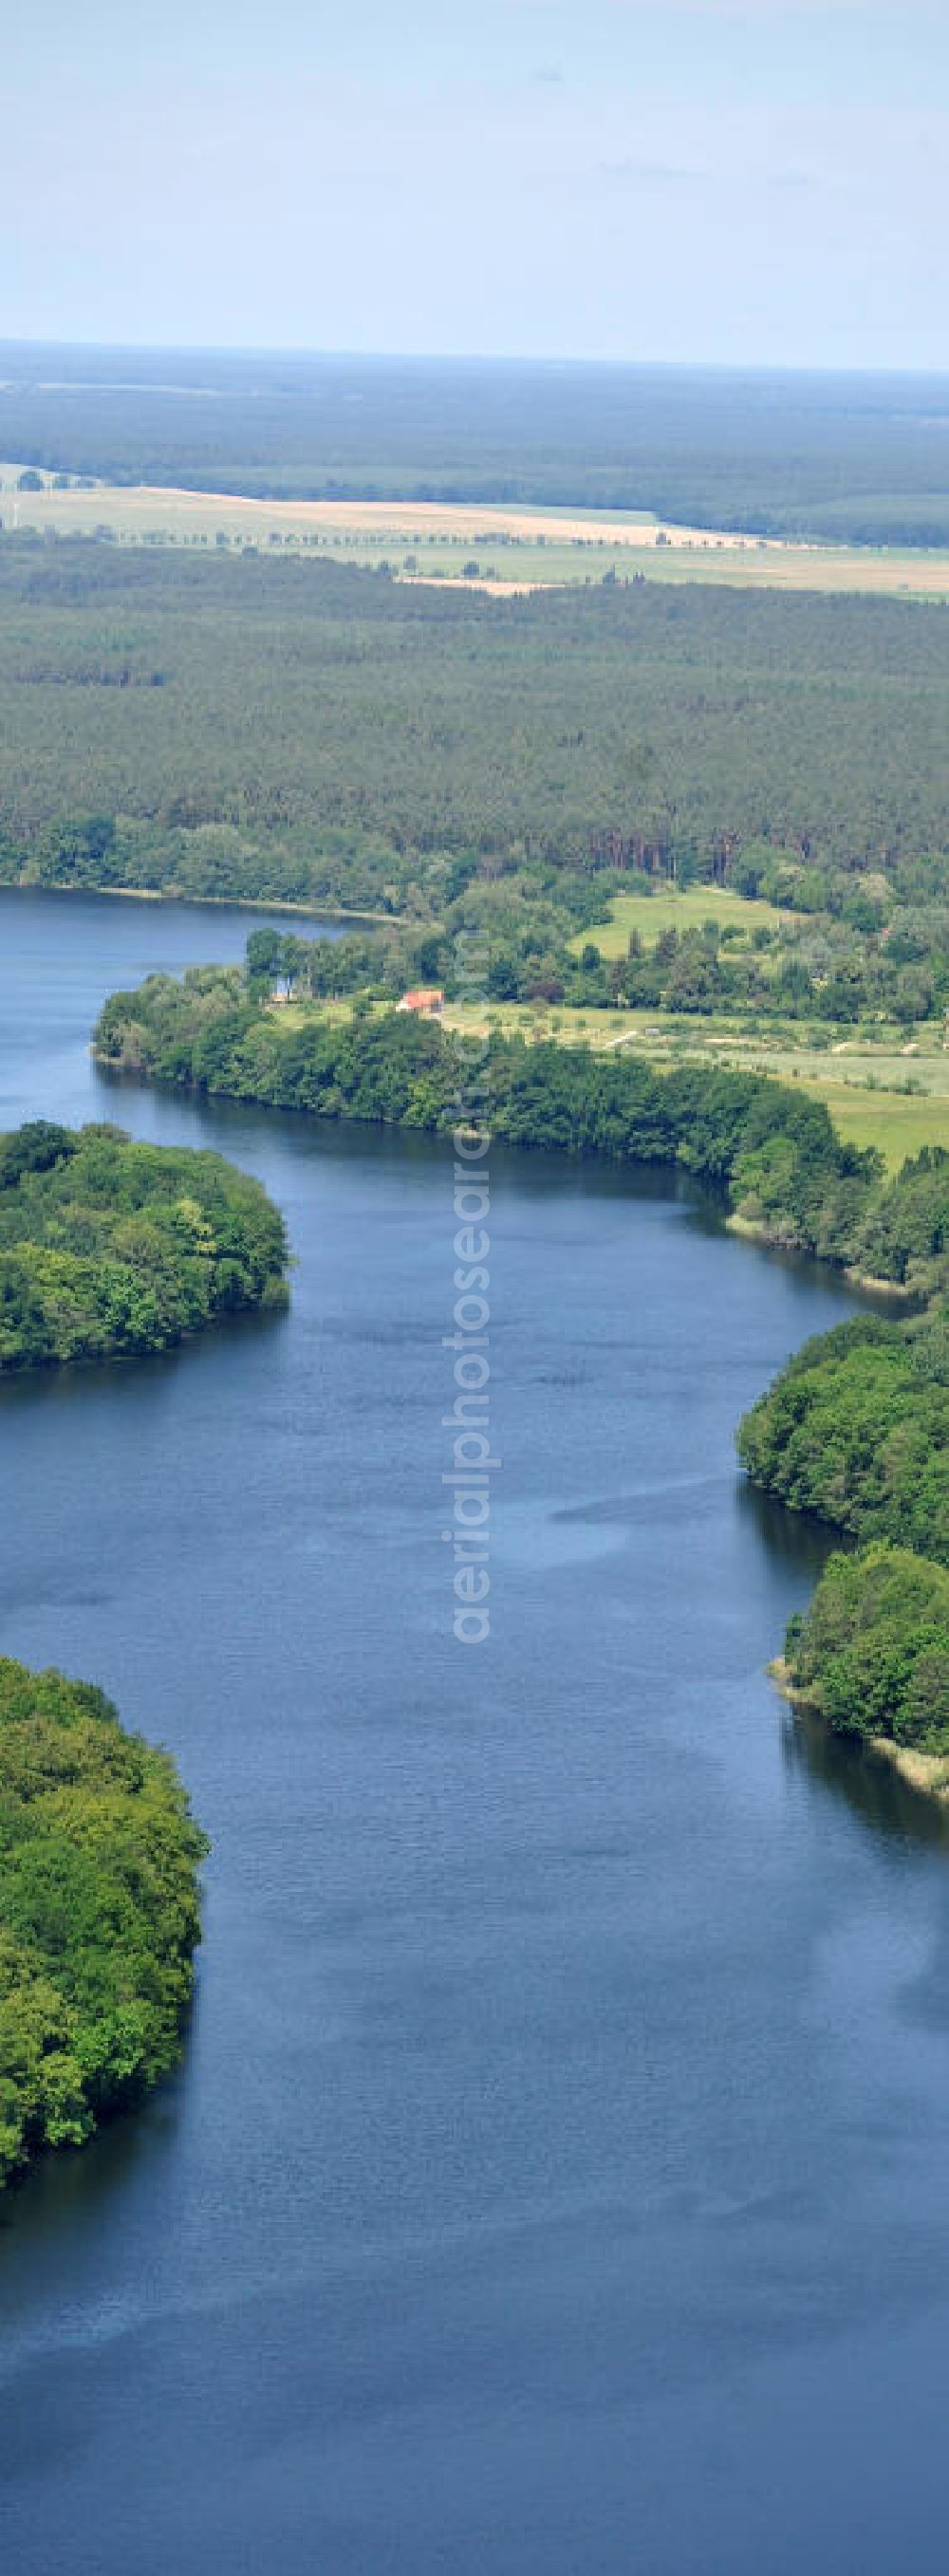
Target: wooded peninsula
871,1655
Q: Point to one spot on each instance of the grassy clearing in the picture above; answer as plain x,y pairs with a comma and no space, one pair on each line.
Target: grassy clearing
897,1126
513,549
863,1088
651,915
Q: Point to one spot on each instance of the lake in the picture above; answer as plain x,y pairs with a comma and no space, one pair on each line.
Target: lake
555,2179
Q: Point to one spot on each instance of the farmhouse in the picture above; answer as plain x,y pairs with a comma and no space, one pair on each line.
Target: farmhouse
428,1000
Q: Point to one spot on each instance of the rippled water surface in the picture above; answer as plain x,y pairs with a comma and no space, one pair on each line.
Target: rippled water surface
555,2181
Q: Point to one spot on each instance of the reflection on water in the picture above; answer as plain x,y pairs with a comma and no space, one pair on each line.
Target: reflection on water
868,1782
794,1539
63,2194
872,1788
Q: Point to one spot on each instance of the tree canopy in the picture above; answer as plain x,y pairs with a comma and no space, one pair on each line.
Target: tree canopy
856,1430
253,727
98,1912
109,1248
872,1651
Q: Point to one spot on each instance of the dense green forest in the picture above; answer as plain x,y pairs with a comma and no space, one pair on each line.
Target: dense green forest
856,1429
312,734
872,1652
857,458
98,1912
109,1248
772,1150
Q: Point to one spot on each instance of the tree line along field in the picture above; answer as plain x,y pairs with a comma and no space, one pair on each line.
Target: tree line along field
875,1095
839,459
486,545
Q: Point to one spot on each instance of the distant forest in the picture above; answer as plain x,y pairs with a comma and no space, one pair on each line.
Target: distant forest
857,459
316,734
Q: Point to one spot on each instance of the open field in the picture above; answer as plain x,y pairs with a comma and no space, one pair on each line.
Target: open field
833,458
863,1088
896,1126
653,914
512,548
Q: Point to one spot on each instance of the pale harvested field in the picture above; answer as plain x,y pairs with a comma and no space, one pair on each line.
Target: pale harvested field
515,549
154,505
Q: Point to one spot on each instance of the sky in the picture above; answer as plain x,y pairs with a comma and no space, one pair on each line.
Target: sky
715,181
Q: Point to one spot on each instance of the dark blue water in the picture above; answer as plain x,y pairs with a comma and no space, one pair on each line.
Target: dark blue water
555,2182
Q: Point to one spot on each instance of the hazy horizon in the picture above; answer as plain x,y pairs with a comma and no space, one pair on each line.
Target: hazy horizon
561,359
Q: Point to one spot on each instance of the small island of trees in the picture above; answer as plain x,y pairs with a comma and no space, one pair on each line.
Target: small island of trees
110,1248
99,1913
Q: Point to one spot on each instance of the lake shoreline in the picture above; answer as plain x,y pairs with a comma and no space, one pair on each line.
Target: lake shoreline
753,1230
928,1773
748,1230
208,902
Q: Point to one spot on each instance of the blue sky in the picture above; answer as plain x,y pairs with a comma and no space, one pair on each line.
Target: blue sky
735,181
